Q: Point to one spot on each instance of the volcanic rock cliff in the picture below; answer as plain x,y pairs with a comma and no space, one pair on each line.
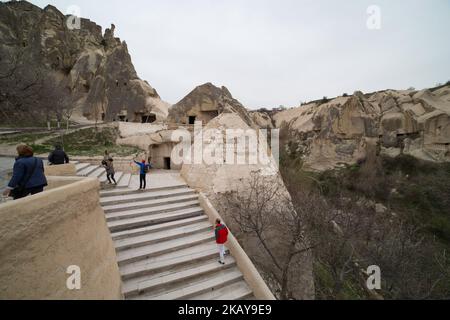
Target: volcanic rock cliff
205,103
44,61
351,129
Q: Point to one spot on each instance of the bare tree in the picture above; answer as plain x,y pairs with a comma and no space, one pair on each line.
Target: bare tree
349,235
19,87
66,105
263,211
343,236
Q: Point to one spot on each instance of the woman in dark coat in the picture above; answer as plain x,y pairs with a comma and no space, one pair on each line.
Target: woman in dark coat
28,175
110,172
58,156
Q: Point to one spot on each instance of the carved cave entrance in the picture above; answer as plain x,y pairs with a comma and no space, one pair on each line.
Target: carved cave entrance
167,163
149,118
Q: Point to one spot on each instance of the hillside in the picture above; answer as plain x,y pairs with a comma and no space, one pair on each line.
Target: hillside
347,130
49,71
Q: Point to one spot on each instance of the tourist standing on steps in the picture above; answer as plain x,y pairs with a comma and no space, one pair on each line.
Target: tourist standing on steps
221,232
28,175
58,156
110,172
143,170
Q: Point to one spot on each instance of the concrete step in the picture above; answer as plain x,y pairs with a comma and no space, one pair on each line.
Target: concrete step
235,291
117,176
123,225
145,252
209,283
81,166
170,261
157,237
145,195
156,228
136,213
124,182
86,171
126,192
97,173
148,203
169,280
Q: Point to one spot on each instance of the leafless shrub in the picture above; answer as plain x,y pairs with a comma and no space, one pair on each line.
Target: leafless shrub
263,213
342,235
350,235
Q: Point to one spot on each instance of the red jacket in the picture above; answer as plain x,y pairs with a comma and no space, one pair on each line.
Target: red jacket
221,234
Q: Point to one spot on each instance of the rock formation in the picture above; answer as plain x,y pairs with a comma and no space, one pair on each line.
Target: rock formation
349,129
205,103
217,180
92,70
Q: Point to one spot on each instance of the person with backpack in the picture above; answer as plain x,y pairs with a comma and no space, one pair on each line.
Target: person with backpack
144,168
110,172
28,175
58,156
221,232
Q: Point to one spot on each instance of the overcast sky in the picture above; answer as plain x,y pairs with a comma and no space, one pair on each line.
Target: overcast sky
271,53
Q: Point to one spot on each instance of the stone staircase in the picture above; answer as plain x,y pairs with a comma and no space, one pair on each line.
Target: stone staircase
164,242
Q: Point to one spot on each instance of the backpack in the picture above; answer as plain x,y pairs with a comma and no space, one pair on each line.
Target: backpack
147,168
221,233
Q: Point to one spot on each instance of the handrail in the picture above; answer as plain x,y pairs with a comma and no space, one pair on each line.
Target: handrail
251,275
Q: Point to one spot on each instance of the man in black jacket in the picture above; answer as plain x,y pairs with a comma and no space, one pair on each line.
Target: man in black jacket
58,156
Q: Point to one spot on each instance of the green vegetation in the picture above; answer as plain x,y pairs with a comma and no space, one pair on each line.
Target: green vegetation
27,138
419,191
32,123
89,142
324,283
410,241
85,142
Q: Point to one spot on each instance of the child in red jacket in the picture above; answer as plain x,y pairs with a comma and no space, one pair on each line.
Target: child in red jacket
221,238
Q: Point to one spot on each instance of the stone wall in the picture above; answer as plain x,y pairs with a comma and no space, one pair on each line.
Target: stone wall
42,235
65,170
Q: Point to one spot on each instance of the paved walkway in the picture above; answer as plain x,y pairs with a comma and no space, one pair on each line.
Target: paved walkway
164,241
158,179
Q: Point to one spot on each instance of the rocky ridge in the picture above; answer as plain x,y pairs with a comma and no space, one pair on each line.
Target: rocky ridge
207,102
350,129
92,70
